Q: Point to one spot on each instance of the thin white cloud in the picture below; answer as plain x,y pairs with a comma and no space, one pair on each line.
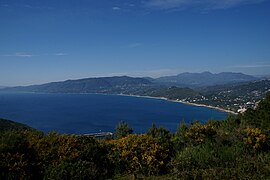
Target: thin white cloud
155,73
29,55
19,54
252,66
134,45
204,4
60,54
167,4
147,73
27,6
115,8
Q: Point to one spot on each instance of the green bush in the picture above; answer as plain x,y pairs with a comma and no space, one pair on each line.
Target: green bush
18,160
139,154
76,170
122,130
29,155
198,133
180,139
67,153
258,118
214,161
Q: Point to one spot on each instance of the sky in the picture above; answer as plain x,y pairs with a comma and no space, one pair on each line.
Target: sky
54,40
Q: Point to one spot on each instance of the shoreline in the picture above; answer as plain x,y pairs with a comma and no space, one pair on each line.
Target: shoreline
208,106
179,101
152,97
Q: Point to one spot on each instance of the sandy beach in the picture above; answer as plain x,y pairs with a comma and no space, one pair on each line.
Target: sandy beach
213,107
183,102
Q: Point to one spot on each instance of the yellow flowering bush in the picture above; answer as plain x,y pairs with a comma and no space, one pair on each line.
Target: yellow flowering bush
139,154
198,132
16,164
54,148
254,138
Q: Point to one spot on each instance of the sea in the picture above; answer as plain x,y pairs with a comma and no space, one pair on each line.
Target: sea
92,113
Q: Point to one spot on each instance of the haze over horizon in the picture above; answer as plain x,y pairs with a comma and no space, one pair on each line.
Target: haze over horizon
45,41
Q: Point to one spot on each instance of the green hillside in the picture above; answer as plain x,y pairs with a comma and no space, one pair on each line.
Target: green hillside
7,125
112,85
233,96
174,93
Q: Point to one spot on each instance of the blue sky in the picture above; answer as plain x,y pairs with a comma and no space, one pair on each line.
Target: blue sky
52,40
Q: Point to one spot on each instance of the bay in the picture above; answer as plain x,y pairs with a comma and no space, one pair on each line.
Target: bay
90,113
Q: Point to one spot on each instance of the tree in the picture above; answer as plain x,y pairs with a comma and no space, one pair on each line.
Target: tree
260,117
122,130
159,132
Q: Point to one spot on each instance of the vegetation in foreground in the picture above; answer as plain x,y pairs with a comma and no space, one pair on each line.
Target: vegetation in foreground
235,148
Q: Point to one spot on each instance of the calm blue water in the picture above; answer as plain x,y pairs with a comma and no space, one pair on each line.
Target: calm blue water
87,113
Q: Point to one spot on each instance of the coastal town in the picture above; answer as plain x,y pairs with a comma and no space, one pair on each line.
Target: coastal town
235,98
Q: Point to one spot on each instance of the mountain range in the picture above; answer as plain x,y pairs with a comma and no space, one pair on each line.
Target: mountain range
227,90
204,79
121,83
88,85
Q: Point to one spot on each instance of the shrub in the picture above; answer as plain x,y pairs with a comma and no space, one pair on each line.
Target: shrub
198,133
162,136
77,170
260,117
254,138
55,148
122,130
180,139
18,160
139,154
69,153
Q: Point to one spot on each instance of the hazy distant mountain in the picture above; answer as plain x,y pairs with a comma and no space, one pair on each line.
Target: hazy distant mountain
111,85
89,85
226,90
1,87
149,79
204,79
137,86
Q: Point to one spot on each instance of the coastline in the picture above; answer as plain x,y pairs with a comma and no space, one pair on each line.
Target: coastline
183,102
208,106
161,98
